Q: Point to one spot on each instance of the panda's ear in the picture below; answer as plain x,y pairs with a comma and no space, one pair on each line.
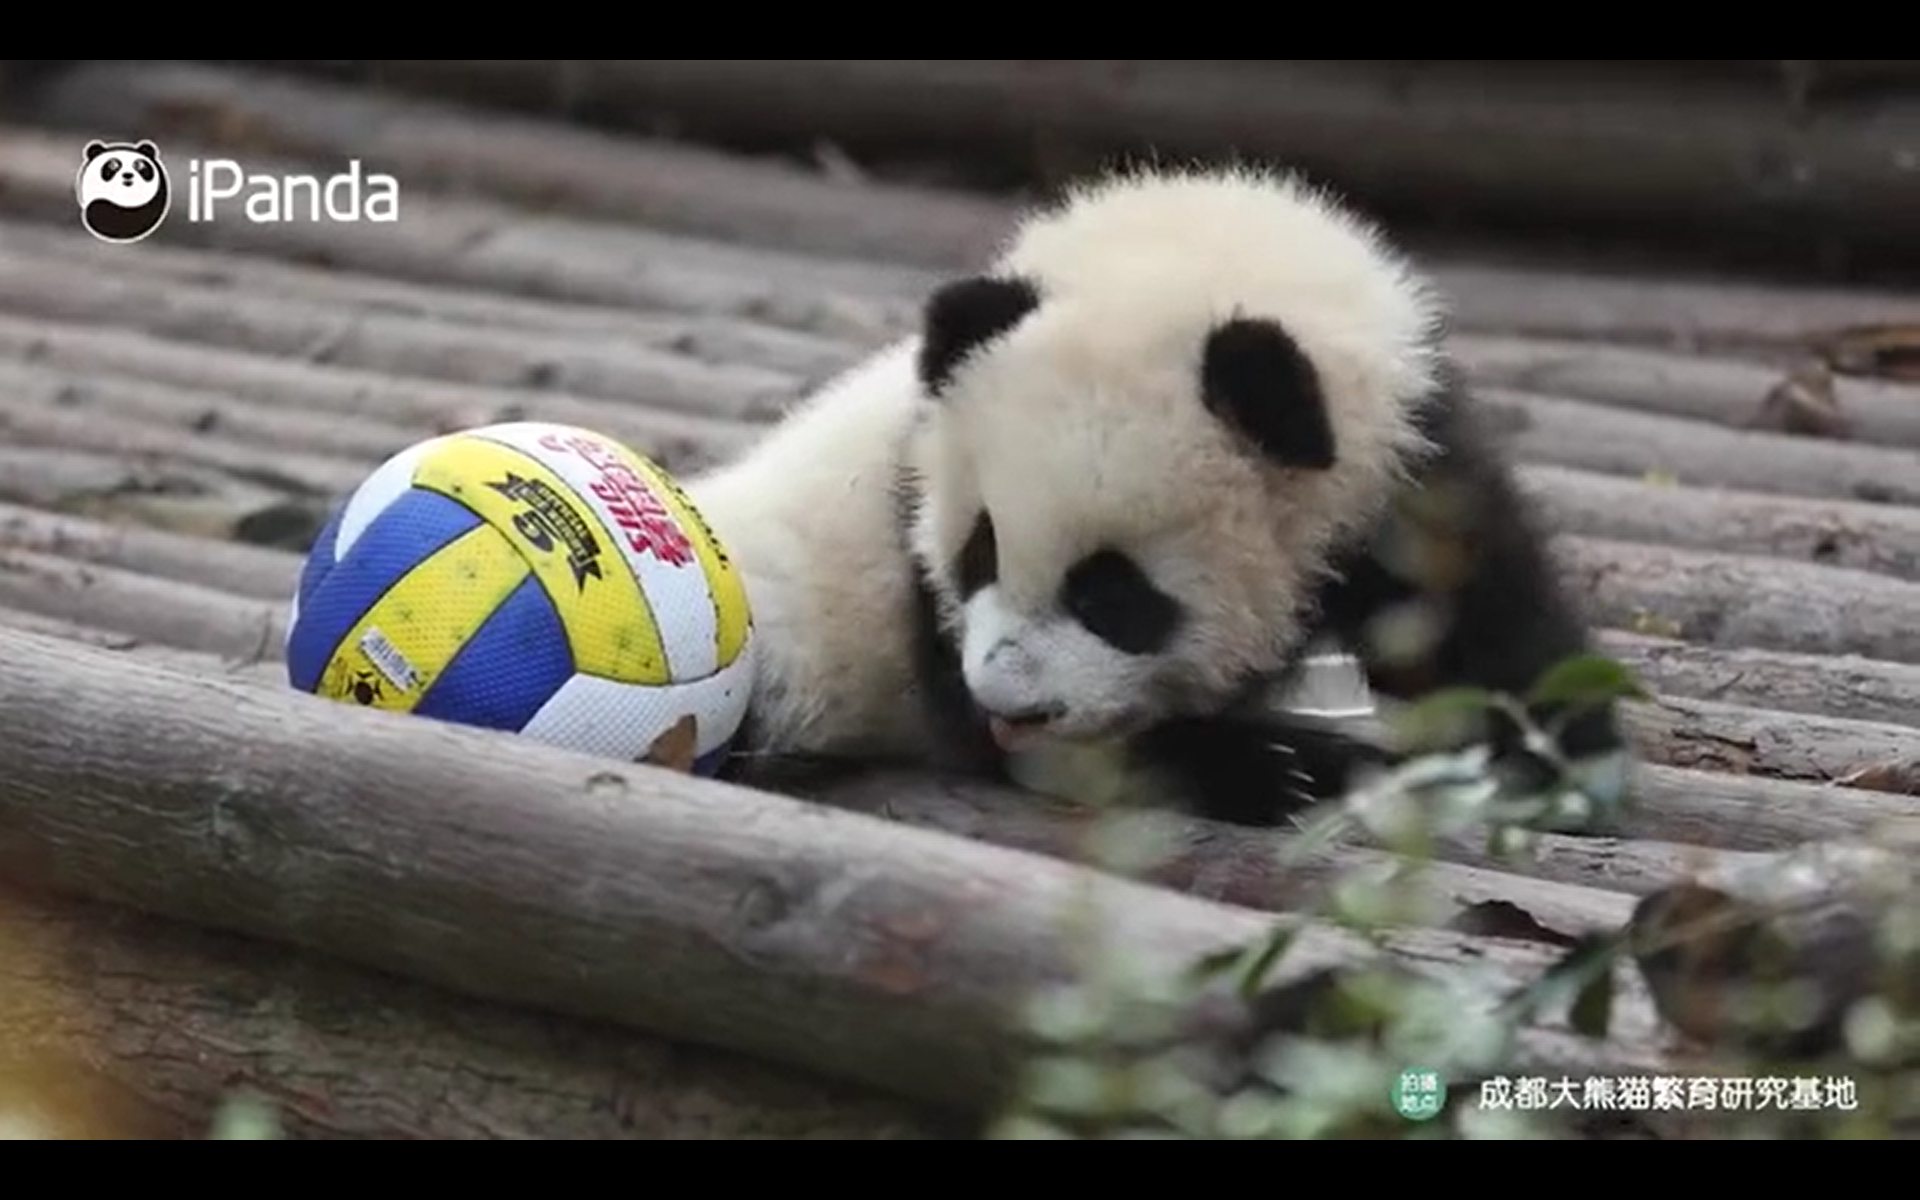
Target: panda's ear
95,149
148,149
1255,377
965,315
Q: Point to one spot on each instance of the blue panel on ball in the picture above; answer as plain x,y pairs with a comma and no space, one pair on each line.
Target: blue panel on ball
708,765
514,664
320,557
404,534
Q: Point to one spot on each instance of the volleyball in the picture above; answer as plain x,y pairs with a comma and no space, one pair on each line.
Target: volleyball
535,578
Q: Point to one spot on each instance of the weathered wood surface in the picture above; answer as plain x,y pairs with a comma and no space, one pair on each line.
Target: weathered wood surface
1710,152
119,1025
856,948
221,384
552,169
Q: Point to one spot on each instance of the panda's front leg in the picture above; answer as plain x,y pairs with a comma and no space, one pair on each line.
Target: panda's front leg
1251,770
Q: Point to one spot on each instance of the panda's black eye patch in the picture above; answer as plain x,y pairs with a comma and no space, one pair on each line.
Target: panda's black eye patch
979,563
110,168
1112,597
145,169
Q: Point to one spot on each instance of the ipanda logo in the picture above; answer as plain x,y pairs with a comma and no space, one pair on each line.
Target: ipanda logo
125,192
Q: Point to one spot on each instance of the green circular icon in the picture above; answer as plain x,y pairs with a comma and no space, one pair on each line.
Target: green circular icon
1419,1094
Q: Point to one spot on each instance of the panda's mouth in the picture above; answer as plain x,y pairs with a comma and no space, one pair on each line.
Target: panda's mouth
1010,731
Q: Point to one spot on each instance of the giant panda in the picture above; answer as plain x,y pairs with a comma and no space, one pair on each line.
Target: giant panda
1188,426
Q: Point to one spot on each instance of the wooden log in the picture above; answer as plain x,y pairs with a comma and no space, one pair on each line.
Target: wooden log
277,422
186,615
392,344
169,496
1680,820
1831,70
1740,601
706,339
268,671
1832,686
580,266
1592,437
1725,390
479,244
278,401
541,164
1227,863
1231,864
1717,155
1776,960
1571,886
176,1019
141,403
1722,391
42,410
1235,865
849,947
1883,538
270,399
1556,430
248,571
1716,736
1737,812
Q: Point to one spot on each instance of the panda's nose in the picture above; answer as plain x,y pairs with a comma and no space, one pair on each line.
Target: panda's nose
126,177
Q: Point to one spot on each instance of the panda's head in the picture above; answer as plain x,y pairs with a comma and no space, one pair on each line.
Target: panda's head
1145,433
123,189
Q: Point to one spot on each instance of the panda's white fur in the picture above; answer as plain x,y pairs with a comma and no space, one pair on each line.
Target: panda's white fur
809,515
1061,393
1084,418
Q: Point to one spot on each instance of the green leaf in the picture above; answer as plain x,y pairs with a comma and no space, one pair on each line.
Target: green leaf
1265,959
1592,1013
1211,966
1571,977
1588,679
1444,717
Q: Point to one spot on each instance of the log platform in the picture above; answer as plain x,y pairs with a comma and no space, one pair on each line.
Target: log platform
1741,514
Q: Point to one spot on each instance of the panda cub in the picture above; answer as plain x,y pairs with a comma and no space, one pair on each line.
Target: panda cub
1187,427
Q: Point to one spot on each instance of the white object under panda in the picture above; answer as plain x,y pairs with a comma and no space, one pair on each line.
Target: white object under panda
123,190
1187,427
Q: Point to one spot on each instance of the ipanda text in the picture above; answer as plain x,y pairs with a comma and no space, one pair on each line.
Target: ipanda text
219,187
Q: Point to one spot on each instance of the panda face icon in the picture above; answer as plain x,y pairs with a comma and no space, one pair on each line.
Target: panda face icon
123,190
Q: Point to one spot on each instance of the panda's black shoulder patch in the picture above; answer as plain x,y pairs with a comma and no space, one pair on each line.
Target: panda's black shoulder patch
1255,377
964,315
